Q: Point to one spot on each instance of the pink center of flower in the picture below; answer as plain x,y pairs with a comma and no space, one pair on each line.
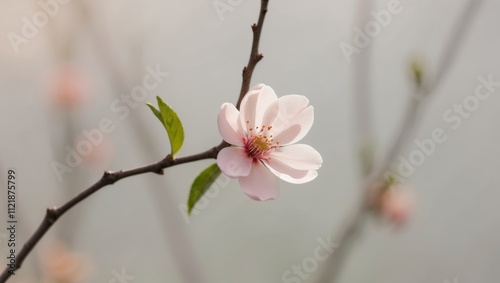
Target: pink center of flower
259,142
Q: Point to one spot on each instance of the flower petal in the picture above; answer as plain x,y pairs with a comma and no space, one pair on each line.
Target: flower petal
296,128
260,184
255,103
234,162
289,174
229,124
271,113
290,106
298,156
308,177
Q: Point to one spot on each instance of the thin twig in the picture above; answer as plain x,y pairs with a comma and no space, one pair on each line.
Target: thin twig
109,178
255,55
330,271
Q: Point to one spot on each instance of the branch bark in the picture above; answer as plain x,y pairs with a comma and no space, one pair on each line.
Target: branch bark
255,55
109,178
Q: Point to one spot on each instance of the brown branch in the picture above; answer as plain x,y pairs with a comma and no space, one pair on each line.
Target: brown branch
109,178
255,56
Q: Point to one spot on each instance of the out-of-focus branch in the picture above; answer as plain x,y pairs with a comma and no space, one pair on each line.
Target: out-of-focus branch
363,132
421,93
174,232
331,268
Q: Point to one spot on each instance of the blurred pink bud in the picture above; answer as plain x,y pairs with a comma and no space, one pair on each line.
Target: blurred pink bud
68,87
396,205
63,266
100,153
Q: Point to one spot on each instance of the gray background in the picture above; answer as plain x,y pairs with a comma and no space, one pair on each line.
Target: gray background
455,229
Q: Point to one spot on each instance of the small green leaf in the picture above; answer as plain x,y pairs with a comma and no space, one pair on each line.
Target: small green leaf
156,112
173,126
201,184
171,122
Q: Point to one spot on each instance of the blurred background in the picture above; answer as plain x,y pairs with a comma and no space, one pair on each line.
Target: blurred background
68,67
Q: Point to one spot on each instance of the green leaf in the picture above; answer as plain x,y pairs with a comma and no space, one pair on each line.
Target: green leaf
155,111
171,122
201,184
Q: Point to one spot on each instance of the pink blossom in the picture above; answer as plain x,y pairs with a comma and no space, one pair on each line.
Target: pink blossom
263,134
